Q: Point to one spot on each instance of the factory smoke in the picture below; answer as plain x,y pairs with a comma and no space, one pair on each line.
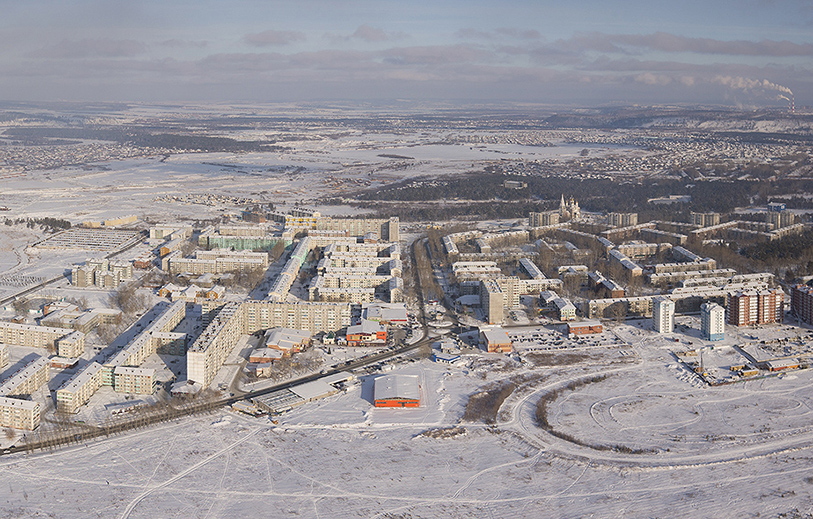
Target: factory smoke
755,86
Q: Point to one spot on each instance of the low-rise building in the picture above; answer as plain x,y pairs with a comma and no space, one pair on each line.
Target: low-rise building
139,381
19,414
28,379
495,339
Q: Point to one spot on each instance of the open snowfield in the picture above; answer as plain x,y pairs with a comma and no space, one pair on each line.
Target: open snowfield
729,451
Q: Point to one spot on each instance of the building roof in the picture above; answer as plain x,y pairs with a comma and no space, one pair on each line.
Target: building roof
365,328
16,402
397,387
496,336
313,390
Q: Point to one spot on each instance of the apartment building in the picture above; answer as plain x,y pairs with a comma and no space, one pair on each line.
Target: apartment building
663,315
622,219
132,380
77,390
543,219
705,219
755,307
712,321
19,414
31,335
3,356
801,302
492,300
28,379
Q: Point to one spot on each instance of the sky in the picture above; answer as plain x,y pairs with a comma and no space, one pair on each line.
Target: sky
747,53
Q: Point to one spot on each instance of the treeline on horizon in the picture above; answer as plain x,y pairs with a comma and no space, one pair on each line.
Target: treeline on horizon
598,195
140,138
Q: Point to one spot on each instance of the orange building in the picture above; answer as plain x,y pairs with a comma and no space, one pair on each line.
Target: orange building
397,391
368,332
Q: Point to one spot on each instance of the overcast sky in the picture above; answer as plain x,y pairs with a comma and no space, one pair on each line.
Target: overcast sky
745,52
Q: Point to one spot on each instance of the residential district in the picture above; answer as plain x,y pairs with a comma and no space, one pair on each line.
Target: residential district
235,309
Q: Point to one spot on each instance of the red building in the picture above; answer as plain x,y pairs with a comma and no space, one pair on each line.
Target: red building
584,327
801,302
755,307
397,391
368,332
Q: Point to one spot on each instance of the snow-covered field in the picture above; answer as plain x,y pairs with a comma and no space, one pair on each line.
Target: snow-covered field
650,439
713,452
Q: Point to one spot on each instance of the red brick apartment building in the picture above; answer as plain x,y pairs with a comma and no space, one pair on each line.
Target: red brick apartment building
755,307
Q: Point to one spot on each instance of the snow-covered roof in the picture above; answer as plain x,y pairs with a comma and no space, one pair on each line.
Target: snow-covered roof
403,387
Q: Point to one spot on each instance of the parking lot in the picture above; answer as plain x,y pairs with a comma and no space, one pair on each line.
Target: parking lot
548,338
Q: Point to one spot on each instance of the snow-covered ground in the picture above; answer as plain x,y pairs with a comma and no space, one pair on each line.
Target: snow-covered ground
727,451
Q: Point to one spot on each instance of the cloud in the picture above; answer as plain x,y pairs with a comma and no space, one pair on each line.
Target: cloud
436,55
272,38
91,48
181,44
368,34
520,34
501,33
672,43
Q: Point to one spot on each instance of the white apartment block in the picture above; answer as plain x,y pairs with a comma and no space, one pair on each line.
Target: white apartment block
146,343
712,321
3,356
72,345
19,414
76,391
138,381
663,315
31,335
28,379
209,351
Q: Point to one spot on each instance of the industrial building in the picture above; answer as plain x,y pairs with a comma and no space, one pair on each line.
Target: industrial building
397,391
663,315
100,240
712,321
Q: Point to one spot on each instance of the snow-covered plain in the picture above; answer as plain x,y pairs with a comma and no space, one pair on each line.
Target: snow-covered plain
740,450
339,457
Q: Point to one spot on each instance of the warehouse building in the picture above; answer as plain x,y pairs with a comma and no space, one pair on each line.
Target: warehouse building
495,340
397,391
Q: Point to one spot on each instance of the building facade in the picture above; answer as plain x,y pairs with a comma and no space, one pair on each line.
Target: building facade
663,315
746,308
712,321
